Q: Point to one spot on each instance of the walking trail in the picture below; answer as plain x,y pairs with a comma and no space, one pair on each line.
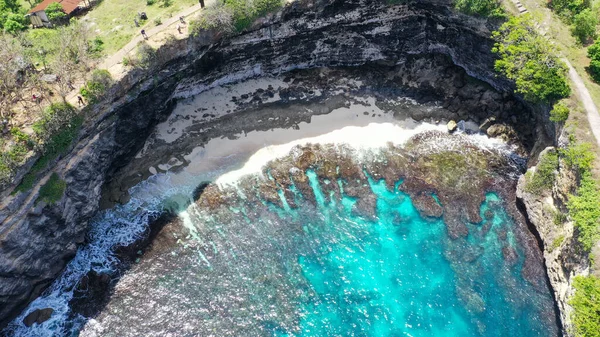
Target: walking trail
581,90
113,63
588,104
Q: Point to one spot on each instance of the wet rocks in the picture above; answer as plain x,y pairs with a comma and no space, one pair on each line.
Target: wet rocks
38,316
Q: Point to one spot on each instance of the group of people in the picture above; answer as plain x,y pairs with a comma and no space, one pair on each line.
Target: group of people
179,27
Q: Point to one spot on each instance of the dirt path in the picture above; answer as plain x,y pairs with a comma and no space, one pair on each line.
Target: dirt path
113,64
588,103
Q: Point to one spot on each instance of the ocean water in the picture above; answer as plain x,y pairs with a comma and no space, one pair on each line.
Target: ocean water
316,270
391,277
323,270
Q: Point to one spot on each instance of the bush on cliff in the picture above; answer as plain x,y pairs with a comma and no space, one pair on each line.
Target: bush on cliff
584,209
579,156
217,17
544,176
55,132
53,190
238,14
559,112
96,87
528,58
586,302
487,8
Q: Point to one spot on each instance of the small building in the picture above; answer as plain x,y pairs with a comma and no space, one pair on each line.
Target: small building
38,17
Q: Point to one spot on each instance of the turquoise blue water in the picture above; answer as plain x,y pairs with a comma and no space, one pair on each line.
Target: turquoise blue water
402,276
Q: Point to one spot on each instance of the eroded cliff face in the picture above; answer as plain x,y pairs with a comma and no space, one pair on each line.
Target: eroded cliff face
564,256
37,240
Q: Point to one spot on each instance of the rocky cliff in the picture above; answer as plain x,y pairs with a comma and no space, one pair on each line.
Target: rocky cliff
564,256
37,240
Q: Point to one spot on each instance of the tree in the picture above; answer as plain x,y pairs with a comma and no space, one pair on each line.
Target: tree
491,8
594,54
567,9
584,25
10,6
528,58
55,12
559,113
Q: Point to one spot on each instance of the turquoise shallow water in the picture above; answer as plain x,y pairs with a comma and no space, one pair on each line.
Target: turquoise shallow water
400,275
259,269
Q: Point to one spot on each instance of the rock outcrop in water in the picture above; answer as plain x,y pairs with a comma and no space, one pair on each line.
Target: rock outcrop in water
37,240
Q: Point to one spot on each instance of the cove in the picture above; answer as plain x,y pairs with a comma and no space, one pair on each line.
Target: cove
304,259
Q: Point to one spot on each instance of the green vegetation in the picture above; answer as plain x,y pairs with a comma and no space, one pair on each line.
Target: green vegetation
567,9
53,190
106,22
56,131
584,25
586,303
594,54
557,242
559,112
579,156
487,8
96,87
145,55
585,211
12,16
239,14
218,17
544,176
528,59
55,12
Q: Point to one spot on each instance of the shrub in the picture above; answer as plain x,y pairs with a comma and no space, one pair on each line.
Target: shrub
57,142
96,87
586,302
579,156
146,55
584,25
95,47
150,2
528,59
166,3
559,112
22,137
557,242
53,190
489,8
218,17
544,176
594,54
244,12
158,21
567,9
584,209
54,118
55,12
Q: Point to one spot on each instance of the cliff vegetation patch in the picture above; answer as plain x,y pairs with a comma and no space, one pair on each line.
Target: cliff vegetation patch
586,303
53,190
544,176
528,58
487,8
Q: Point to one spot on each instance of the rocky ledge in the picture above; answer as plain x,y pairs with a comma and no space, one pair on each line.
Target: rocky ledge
37,240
